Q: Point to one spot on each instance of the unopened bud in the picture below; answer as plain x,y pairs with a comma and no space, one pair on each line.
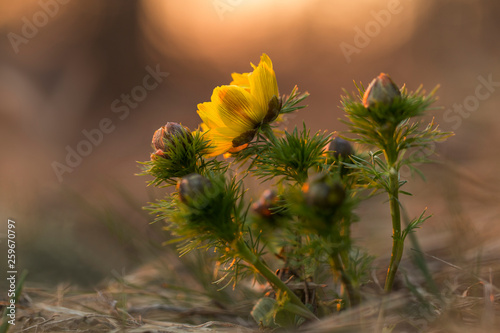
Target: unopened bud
174,129
324,194
166,133
340,148
159,139
382,90
192,186
266,202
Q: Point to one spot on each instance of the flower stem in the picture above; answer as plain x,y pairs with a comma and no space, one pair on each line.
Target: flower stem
391,154
352,293
249,256
268,132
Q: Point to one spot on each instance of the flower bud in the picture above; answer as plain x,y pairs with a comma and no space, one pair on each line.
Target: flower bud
324,194
191,186
167,133
382,90
158,139
340,148
266,202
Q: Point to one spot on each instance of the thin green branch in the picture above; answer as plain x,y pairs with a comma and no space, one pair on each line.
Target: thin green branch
250,257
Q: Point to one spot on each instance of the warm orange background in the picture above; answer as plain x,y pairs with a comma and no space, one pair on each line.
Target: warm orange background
84,55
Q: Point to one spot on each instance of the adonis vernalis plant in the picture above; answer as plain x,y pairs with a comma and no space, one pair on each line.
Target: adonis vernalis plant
317,179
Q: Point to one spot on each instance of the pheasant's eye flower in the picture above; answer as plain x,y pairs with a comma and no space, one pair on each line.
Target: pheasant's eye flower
237,111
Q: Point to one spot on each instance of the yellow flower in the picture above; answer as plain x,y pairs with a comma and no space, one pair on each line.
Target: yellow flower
237,111
241,80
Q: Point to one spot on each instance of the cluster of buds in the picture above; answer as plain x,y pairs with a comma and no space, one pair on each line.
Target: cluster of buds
381,91
323,193
166,134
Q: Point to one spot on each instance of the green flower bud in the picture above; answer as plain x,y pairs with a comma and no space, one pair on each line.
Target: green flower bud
192,186
323,193
340,148
165,134
382,90
266,202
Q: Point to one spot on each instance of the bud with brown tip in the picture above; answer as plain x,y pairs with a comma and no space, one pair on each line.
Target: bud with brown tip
192,186
165,134
381,91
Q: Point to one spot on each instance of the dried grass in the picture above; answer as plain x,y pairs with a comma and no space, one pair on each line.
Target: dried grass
469,302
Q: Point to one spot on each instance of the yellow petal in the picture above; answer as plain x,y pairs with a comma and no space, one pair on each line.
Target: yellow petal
237,109
209,113
241,80
237,149
264,59
204,127
220,143
263,83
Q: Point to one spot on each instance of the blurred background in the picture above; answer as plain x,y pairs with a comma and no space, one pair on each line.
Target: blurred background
99,77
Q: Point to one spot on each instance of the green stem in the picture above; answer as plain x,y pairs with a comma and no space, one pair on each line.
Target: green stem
419,259
268,132
352,293
397,241
346,234
249,256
